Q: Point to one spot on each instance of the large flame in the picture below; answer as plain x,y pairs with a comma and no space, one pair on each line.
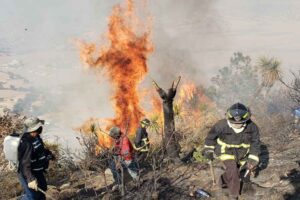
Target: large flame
124,61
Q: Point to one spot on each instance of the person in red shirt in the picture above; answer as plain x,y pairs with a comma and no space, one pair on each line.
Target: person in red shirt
123,156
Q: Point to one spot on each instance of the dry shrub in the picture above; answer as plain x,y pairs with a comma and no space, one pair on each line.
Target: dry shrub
9,183
194,127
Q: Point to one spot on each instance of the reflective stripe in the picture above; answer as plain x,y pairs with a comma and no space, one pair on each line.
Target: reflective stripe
142,149
209,147
41,158
253,157
146,141
229,115
226,157
145,147
224,145
35,142
33,160
245,115
35,147
38,169
242,162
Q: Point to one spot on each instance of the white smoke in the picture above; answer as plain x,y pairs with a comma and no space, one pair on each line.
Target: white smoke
193,38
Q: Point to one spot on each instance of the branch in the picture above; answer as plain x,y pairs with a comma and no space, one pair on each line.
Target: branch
176,83
290,87
155,85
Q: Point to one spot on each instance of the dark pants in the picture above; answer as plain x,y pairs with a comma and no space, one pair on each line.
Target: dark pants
141,158
231,177
131,167
32,194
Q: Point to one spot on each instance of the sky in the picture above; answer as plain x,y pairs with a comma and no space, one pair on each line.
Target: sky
193,38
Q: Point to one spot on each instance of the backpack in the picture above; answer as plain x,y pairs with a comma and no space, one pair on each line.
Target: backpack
10,149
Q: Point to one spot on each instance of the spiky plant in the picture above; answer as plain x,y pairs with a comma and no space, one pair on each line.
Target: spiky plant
154,123
270,71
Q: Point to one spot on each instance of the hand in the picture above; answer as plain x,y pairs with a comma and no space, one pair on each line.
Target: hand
51,157
33,185
208,153
118,165
251,165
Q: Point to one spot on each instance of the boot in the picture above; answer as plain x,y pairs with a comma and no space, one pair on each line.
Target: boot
231,197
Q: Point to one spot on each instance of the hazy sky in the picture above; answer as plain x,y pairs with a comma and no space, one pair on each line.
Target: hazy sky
210,31
191,37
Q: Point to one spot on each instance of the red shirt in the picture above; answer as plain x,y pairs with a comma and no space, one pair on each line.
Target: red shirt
123,148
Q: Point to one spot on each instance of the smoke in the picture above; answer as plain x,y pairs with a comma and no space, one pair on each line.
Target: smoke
37,43
182,32
193,38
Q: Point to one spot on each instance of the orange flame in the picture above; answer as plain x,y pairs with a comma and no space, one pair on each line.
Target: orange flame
187,92
124,60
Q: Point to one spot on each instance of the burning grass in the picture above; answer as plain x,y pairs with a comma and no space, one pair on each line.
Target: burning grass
124,62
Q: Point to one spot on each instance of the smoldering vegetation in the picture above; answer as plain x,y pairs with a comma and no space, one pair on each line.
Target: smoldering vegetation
194,116
64,93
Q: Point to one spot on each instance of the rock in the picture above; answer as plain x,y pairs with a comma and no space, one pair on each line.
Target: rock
53,192
98,181
65,186
80,174
67,194
109,176
107,196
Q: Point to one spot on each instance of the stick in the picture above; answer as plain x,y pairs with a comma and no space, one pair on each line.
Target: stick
247,172
42,191
155,84
122,182
212,172
178,80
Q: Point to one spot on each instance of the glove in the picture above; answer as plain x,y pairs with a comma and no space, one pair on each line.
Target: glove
50,155
33,185
208,153
251,164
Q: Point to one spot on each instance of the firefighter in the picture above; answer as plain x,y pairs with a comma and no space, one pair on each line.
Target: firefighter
235,140
296,115
141,142
33,160
123,156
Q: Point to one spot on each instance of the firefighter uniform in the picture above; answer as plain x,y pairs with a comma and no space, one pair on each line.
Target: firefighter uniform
141,142
234,149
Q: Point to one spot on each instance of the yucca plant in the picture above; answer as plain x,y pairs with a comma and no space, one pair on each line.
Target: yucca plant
270,71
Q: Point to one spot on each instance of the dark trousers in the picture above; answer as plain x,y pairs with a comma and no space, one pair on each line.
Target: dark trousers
130,166
141,158
231,177
32,194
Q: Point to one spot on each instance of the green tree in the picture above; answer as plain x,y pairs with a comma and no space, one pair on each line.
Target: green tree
270,72
236,82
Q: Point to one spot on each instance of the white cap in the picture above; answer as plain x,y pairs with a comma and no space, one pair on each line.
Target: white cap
32,124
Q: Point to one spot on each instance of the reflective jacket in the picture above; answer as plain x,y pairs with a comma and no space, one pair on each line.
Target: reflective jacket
123,148
229,145
32,156
141,142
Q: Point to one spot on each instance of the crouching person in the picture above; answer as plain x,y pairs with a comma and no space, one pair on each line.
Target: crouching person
123,156
235,140
33,160
142,144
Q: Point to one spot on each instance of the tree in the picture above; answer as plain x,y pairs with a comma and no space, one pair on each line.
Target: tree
170,142
234,83
294,88
270,72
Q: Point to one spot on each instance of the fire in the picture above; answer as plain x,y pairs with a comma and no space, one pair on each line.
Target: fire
187,92
192,102
124,61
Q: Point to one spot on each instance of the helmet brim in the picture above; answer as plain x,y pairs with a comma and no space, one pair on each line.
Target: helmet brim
34,128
